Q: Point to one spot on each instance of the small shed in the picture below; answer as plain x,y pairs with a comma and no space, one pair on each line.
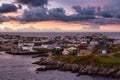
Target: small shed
26,47
65,52
103,51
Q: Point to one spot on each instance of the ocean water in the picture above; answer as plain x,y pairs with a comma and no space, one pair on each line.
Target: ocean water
13,67
53,34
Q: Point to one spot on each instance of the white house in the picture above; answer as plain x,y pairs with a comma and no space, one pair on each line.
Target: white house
58,47
103,51
20,45
93,43
83,42
26,46
72,49
65,52
29,48
47,46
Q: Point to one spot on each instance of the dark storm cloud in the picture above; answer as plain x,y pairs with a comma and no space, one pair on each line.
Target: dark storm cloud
33,15
110,10
5,8
106,14
57,14
104,21
38,13
84,11
3,18
42,14
34,3
78,17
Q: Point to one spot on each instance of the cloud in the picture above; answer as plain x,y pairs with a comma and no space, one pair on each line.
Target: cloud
83,14
91,27
6,29
57,14
34,3
29,29
84,11
104,21
110,10
5,8
41,14
34,15
4,19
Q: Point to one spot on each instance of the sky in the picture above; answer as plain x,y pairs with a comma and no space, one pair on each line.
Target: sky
59,16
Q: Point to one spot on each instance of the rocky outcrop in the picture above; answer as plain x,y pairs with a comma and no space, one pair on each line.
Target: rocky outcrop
26,53
80,69
40,55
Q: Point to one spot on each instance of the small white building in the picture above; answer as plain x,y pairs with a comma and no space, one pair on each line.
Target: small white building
20,45
47,46
84,39
72,49
93,43
103,51
58,48
65,52
83,42
26,46
29,48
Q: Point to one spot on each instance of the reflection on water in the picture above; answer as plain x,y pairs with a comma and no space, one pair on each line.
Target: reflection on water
14,67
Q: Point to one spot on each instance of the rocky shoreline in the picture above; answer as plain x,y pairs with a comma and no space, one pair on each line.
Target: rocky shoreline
50,64
35,54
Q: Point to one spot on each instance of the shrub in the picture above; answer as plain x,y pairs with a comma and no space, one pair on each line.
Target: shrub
42,50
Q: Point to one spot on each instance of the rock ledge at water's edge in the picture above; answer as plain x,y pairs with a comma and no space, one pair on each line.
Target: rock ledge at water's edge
50,64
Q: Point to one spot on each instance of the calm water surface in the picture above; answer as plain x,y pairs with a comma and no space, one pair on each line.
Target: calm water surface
53,34
20,68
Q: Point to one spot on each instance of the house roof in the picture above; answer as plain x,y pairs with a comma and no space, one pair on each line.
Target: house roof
82,47
85,51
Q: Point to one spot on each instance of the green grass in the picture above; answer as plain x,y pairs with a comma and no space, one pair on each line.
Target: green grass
117,55
3,49
75,59
101,60
21,51
107,59
111,49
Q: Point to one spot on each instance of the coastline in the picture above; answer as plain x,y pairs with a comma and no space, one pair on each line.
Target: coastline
48,63
92,70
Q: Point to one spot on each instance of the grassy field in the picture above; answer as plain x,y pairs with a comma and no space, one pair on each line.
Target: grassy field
3,49
111,49
99,60
117,55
